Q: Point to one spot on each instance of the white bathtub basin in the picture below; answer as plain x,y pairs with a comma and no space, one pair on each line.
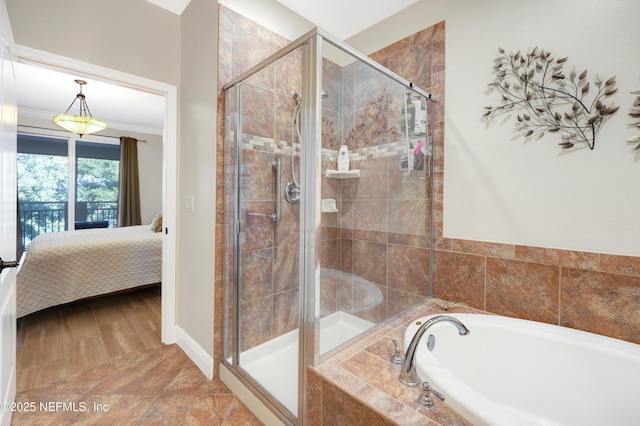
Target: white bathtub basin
511,372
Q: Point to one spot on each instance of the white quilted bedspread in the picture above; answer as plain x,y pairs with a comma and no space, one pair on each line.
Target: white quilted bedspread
61,267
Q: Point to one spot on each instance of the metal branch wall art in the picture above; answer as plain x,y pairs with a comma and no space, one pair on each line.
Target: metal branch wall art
547,99
635,114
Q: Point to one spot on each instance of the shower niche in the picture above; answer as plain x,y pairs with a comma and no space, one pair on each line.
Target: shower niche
350,249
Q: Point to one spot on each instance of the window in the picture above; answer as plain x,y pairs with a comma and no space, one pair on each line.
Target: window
97,174
52,171
43,177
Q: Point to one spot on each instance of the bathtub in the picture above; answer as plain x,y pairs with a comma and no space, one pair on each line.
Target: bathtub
508,371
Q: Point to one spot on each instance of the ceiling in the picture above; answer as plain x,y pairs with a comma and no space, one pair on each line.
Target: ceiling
175,6
353,16
43,92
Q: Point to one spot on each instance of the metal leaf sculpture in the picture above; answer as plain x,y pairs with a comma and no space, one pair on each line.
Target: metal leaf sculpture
546,99
635,114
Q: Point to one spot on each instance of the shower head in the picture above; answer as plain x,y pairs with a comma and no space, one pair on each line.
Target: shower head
324,94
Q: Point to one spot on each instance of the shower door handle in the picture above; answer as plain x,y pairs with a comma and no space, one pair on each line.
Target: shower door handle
277,167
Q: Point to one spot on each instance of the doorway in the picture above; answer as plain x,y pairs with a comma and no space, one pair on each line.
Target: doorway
169,191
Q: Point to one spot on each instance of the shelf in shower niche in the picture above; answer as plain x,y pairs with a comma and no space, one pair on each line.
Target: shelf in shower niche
349,174
329,206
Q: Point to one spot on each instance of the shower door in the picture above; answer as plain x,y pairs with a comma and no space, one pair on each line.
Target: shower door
266,233
304,276
375,216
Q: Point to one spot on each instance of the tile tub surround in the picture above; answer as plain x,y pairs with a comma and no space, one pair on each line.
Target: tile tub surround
594,292
357,385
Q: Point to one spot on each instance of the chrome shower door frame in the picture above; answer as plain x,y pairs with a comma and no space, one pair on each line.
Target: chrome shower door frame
310,216
236,231
311,44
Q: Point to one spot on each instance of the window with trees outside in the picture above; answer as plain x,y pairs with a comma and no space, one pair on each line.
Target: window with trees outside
55,173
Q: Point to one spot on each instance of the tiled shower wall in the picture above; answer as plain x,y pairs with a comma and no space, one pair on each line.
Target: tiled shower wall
383,221
242,44
374,254
269,256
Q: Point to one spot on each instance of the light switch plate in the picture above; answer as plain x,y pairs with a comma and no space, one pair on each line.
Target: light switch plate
188,204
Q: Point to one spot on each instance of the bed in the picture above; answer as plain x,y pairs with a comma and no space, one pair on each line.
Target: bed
62,267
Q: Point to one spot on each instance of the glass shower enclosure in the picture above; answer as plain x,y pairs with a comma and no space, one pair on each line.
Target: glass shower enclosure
315,256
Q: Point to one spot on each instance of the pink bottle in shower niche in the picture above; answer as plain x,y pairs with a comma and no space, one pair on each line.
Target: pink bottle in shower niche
418,157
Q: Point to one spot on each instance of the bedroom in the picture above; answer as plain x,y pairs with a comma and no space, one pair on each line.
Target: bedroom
44,92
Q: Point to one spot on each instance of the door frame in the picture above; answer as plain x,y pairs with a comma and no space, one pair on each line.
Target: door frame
169,158
8,125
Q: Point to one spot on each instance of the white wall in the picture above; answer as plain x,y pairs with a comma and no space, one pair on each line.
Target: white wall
133,36
150,175
498,188
198,130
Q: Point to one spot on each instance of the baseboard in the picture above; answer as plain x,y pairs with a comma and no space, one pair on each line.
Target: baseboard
194,351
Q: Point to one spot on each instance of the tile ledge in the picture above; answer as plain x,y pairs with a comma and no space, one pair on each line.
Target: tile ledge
330,370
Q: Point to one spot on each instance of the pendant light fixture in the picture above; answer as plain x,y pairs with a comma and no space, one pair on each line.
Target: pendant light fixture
83,124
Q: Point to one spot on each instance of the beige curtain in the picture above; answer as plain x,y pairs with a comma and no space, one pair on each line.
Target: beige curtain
129,191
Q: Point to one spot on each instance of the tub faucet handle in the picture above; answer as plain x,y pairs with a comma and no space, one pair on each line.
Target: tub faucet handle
396,359
425,400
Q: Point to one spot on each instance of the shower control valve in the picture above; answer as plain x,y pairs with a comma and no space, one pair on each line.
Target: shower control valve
292,192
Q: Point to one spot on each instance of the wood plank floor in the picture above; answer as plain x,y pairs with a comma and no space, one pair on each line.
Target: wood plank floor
106,352
61,341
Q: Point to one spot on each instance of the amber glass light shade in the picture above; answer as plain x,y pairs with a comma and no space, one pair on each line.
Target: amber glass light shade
79,124
83,124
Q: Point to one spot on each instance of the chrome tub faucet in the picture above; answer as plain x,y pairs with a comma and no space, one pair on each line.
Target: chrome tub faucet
408,375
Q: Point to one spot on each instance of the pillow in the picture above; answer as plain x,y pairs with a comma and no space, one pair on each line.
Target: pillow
156,223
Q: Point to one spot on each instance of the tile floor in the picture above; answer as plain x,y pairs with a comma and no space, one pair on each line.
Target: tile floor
143,386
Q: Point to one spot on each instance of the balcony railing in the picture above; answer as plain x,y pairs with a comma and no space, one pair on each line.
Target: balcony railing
38,217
